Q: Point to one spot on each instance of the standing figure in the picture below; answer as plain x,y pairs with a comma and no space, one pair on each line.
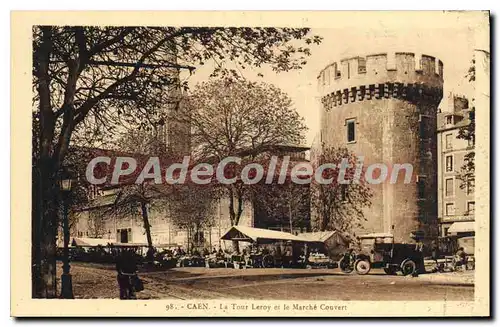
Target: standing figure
126,267
435,254
461,258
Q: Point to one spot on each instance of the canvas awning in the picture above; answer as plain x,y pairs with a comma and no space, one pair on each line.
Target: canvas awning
320,237
250,234
461,227
88,241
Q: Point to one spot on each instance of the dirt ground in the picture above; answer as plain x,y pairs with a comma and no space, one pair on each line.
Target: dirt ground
99,281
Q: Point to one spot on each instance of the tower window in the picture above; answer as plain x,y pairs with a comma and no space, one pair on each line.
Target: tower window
337,72
351,130
361,65
449,120
449,163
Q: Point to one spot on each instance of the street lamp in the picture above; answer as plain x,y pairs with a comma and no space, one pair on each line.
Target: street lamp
66,281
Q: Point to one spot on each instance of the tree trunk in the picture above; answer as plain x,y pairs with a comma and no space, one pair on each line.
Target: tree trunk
324,221
36,219
45,227
147,226
234,216
45,216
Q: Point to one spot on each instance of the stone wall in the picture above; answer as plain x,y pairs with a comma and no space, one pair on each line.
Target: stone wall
393,100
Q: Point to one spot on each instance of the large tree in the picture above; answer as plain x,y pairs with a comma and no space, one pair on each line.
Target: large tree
233,117
339,206
146,196
192,208
89,81
284,205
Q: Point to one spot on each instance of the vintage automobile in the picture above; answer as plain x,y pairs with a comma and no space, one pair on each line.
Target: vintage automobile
380,251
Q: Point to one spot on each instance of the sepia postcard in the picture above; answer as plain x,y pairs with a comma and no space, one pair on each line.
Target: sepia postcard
250,164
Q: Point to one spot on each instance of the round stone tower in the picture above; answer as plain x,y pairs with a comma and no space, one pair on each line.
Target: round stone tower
383,107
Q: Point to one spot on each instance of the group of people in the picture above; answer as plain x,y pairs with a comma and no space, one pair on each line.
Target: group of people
459,258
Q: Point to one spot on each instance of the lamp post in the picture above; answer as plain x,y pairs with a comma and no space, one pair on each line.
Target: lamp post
66,281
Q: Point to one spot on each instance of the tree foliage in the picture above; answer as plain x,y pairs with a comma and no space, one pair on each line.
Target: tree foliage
193,208
340,206
468,133
96,223
91,81
286,205
232,117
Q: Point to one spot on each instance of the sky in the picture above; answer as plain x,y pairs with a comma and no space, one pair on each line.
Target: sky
451,37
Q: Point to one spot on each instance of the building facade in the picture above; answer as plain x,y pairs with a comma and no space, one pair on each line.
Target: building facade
456,201
383,107
98,219
97,222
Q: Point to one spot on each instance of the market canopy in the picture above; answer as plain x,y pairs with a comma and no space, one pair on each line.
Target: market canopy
250,234
320,237
88,241
461,227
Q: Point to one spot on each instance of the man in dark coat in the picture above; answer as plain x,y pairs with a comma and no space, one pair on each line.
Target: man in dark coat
126,266
461,258
435,255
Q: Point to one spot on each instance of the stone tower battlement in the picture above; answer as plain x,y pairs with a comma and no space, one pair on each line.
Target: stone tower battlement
383,107
382,74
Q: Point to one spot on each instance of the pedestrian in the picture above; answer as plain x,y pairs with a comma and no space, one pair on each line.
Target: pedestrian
126,267
461,258
419,247
435,254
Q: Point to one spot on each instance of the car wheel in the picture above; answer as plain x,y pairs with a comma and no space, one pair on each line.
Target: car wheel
362,266
408,267
345,267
